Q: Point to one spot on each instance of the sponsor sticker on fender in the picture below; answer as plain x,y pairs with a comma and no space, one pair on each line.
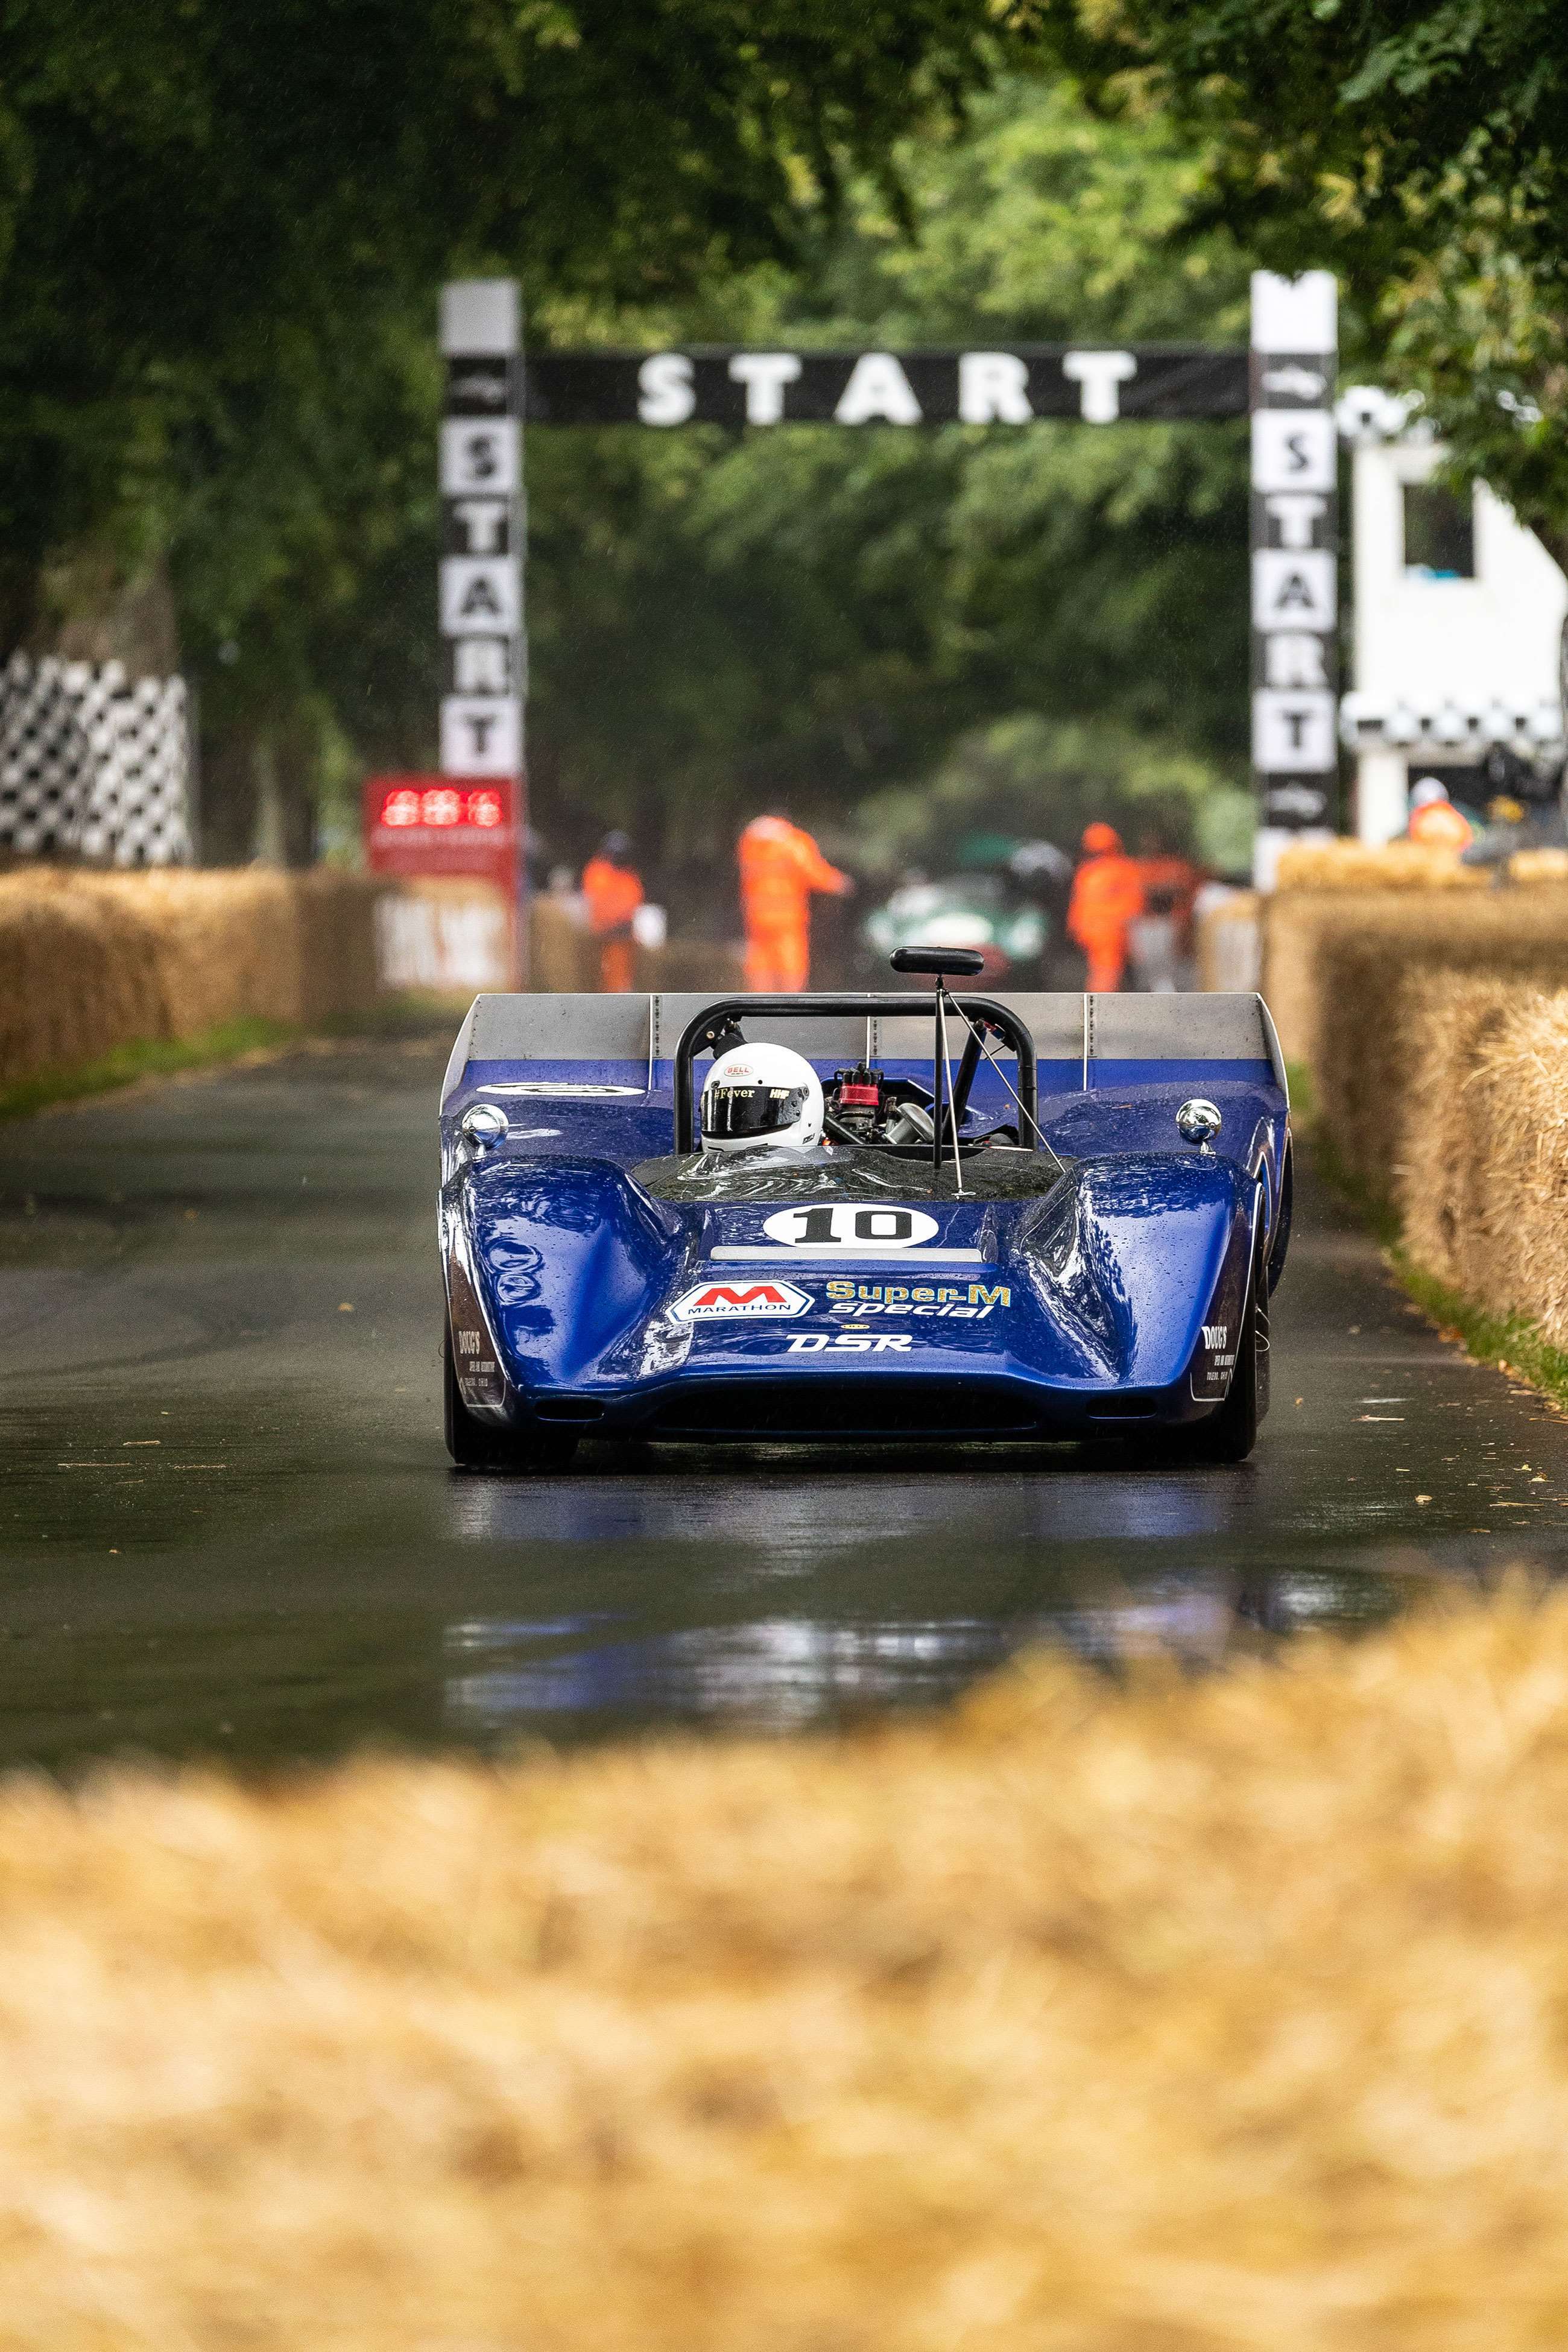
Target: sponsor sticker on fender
743,1299
1214,1363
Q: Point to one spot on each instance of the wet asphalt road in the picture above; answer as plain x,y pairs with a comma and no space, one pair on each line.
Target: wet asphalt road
229,1525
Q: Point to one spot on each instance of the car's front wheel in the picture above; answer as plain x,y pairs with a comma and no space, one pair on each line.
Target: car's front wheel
475,1444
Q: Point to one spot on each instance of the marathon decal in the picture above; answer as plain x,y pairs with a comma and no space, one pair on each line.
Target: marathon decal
745,1300
850,1225
718,385
1295,512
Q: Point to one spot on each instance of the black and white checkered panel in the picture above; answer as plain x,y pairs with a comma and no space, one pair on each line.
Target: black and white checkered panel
93,764
1456,730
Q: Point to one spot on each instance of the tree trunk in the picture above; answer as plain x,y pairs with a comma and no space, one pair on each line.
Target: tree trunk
88,609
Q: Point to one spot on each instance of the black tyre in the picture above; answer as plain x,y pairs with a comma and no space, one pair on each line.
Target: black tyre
1230,1433
474,1444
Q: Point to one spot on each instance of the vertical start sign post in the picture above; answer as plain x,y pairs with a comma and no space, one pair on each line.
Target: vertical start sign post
1295,555
483,539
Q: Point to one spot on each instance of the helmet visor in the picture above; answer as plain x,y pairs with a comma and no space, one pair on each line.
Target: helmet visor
731,1112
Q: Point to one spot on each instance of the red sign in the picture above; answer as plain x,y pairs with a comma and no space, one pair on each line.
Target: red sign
442,825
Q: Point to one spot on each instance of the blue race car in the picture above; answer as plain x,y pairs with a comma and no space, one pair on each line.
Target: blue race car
861,1216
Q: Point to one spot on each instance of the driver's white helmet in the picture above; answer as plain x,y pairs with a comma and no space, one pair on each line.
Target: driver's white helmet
761,1095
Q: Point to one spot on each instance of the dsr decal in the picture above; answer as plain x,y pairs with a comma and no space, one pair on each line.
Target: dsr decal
875,1343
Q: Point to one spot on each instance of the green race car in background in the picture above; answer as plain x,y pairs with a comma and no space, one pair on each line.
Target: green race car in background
986,911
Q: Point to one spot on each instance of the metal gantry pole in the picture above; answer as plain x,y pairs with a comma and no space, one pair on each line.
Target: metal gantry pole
484,528
1295,542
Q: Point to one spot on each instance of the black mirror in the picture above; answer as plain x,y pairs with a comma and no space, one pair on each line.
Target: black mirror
958,963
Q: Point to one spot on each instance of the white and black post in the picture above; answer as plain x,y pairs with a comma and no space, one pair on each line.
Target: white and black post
483,538
1295,543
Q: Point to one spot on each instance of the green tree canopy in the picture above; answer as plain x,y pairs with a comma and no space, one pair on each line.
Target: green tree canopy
222,226
1416,146
816,612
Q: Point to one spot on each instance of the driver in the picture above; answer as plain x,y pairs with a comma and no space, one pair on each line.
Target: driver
762,1096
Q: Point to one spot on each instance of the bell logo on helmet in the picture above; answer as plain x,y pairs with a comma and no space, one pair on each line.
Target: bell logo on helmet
744,1298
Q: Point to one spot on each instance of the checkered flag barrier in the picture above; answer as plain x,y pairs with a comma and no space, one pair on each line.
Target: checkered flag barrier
93,764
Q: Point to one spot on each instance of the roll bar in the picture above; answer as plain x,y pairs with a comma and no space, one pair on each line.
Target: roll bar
723,1016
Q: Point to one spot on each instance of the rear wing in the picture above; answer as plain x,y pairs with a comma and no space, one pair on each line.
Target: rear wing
611,1048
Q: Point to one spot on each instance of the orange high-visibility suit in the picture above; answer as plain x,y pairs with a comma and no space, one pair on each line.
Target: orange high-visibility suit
780,866
614,894
1440,825
1106,894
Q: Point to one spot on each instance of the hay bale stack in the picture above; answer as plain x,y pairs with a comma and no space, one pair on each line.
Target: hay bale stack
1222,2015
89,961
1538,866
1348,977
1484,1186
1442,1180
1359,865
1228,941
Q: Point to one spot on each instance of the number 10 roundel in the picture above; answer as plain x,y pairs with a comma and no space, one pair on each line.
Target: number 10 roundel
850,1225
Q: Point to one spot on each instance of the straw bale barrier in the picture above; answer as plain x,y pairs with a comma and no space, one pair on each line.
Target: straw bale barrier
1221,2016
1482,1182
89,961
1347,975
1348,865
563,955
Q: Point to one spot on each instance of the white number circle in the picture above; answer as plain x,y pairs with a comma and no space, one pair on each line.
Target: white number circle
850,1225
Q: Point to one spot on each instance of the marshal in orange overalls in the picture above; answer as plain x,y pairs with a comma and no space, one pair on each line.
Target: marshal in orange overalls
1106,894
780,866
613,889
1438,824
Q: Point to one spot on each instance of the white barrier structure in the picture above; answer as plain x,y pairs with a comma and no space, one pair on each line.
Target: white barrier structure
1458,613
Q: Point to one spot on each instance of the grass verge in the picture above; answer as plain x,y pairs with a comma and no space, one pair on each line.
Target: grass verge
1511,1342
398,1018
146,1057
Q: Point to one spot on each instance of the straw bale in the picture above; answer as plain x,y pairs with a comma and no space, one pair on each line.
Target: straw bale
1443,1180
1348,865
1211,2017
1538,866
564,955
1486,1191
1346,976
89,961
1229,940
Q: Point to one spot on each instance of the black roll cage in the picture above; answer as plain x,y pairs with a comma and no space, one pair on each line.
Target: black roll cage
725,1014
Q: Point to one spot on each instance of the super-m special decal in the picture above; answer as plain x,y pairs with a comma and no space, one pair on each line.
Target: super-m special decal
960,1299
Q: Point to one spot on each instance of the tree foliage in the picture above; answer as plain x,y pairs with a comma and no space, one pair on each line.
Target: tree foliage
1416,147
818,614
222,227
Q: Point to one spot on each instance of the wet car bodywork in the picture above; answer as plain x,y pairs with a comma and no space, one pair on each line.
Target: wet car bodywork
1104,1279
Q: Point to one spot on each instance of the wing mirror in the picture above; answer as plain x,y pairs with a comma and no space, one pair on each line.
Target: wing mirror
482,1127
1198,1121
